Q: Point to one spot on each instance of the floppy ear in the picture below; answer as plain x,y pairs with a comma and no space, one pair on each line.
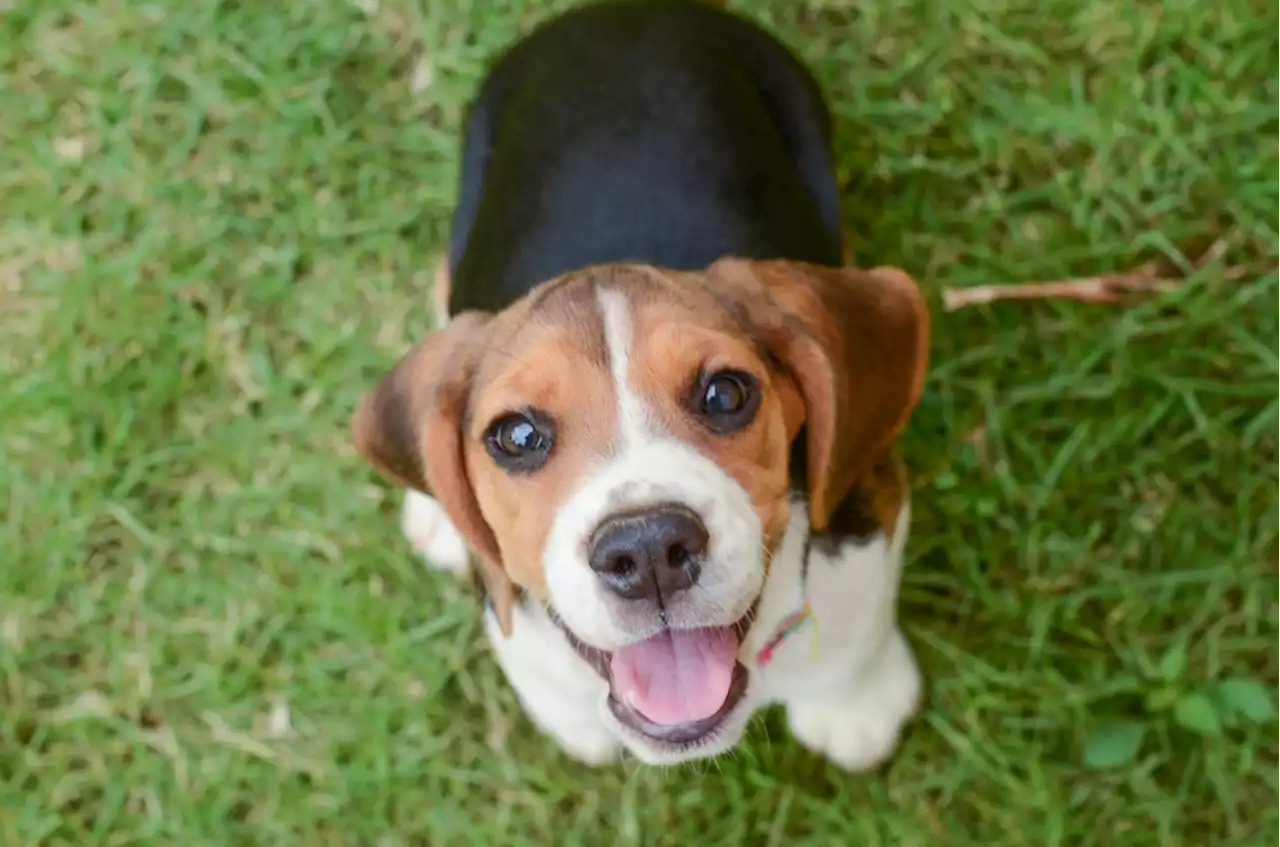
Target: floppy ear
855,342
409,428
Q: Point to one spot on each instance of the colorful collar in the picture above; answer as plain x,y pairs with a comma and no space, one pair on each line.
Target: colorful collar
790,624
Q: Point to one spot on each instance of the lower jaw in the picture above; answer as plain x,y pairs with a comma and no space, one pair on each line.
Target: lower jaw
650,751
670,739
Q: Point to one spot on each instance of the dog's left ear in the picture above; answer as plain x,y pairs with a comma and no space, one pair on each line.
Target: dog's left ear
855,342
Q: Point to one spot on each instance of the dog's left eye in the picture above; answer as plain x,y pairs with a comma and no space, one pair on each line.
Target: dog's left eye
726,400
520,441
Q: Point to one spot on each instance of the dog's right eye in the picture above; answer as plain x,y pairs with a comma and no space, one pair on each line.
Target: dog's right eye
521,441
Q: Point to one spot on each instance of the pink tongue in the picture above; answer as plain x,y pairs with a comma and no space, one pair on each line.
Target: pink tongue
678,676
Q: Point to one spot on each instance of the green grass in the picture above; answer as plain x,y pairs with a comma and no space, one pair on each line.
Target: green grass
217,228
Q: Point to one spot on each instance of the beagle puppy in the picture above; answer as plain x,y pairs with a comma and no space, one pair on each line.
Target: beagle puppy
661,413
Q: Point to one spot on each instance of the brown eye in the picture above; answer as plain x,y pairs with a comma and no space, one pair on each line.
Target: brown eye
724,395
726,400
520,442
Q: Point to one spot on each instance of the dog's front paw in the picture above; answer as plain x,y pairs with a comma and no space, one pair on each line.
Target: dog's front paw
858,727
432,535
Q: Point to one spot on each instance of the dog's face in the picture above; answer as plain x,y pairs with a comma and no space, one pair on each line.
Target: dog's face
617,445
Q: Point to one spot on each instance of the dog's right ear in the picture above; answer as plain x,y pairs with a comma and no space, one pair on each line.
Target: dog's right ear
409,428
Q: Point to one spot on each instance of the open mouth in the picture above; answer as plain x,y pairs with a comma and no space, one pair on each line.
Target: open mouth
676,687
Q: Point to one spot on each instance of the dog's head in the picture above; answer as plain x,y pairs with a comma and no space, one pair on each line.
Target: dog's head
617,445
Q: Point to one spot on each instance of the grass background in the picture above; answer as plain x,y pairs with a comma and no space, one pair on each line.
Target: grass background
216,228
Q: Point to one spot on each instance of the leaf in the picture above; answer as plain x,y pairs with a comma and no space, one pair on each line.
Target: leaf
1173,662
1112,744
945,481
1197,713
1245,697
1161,699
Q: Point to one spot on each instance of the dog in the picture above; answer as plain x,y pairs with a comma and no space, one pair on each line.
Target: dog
662,411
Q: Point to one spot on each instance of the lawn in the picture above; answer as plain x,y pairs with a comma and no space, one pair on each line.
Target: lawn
218,221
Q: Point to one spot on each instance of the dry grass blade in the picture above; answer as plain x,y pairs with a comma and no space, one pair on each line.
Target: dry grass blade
1093,289
1150,278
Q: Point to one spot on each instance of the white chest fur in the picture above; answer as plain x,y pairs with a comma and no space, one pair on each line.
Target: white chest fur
844,671
842,602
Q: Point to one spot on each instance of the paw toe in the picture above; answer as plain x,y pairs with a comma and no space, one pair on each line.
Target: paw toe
851,738
860,730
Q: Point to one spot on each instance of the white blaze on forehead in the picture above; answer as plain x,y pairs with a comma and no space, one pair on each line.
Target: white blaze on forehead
648,466
634,422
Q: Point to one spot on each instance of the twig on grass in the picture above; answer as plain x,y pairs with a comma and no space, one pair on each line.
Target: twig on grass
1151,278
1094,289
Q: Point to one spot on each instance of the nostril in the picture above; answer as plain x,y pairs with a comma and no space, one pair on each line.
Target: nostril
682,567
621,565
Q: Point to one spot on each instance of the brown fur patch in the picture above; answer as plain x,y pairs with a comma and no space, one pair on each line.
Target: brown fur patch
549,355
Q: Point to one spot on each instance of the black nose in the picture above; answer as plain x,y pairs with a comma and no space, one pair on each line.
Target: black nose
653,553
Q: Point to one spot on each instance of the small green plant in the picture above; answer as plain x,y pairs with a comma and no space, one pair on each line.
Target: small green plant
1207,708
